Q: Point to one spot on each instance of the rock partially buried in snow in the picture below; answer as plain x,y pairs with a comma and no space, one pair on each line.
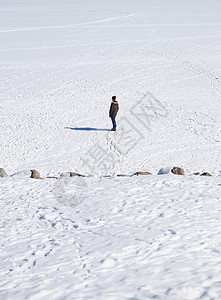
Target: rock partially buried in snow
205,174
168,170
196,173
35,174
3,173
177,171
123,175
142,173
72,174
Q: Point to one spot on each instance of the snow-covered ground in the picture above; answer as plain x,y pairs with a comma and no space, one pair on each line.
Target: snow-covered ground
140,237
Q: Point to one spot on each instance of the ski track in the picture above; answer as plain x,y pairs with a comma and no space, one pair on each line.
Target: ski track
66,26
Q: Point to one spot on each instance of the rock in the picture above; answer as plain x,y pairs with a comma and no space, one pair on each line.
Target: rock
3,173
142,173
177,171
168,170
52,177
35,174
107,176
164,171
123,175
205,174
72,174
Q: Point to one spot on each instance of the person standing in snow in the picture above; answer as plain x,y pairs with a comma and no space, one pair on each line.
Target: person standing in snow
113,112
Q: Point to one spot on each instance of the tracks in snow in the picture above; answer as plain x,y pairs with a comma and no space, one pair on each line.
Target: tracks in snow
68,26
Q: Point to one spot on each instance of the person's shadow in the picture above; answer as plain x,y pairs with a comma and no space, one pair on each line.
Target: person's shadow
87,129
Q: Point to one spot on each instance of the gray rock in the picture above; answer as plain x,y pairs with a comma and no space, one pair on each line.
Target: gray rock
3,173
197,173
177,171
164,171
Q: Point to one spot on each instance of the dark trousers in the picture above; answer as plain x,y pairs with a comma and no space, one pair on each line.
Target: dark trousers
113,121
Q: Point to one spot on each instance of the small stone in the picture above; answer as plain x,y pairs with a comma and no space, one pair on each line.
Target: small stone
3,173
123,175
142,173
197,173
73,174
205,174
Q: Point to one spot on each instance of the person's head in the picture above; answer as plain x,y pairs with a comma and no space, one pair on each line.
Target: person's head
113,98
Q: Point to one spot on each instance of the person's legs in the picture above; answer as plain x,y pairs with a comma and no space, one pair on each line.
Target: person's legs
113,121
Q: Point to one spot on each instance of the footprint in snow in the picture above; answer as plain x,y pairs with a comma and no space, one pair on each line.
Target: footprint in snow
108,263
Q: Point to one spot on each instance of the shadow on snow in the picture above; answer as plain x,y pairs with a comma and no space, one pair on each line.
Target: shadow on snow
87,129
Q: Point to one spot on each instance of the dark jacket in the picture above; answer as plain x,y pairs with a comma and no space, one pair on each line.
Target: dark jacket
113,109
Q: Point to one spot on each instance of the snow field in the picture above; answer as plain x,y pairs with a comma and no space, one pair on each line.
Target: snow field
155,227
150,237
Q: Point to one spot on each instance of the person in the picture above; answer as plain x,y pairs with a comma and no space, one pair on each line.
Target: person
113,112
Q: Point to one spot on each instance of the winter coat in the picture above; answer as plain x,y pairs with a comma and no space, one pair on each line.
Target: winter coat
113,109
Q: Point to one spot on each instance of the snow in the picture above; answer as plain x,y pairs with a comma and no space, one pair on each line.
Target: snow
95,237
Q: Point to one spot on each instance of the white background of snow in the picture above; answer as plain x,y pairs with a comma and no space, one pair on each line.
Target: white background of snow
129,238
